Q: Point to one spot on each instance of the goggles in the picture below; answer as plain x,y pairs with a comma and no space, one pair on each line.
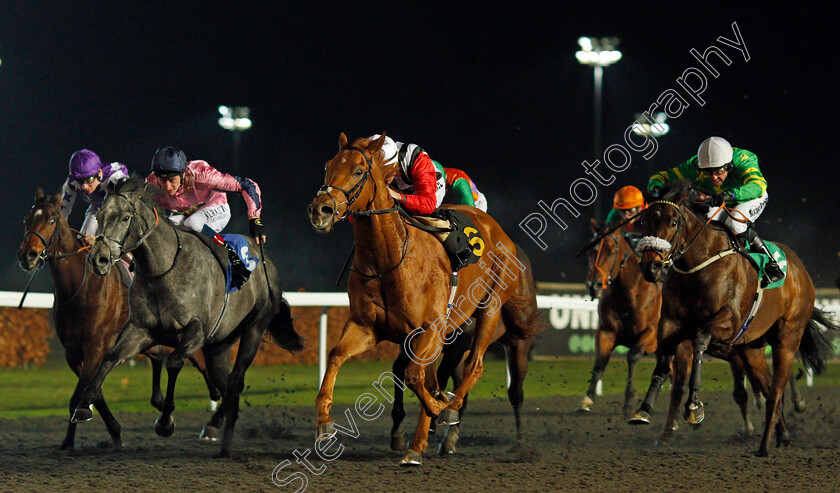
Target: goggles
718,171
88,180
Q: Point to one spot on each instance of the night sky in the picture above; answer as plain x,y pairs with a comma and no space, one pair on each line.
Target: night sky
495,91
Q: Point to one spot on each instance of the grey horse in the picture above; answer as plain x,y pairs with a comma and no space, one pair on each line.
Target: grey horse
178,300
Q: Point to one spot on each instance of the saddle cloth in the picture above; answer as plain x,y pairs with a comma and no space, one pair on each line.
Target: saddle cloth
463,242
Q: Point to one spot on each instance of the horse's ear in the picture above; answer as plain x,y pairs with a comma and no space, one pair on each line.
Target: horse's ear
376,145
594,225
55,199
342,141
39,194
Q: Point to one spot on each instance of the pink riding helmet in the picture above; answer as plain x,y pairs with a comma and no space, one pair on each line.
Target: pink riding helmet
84,164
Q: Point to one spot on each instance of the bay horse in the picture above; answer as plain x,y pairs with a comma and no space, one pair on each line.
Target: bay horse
452,358
88,311
629,309
399,286
708,296
178,300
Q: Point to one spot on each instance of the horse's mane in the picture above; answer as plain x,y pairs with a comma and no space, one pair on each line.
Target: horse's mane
137,185
673,191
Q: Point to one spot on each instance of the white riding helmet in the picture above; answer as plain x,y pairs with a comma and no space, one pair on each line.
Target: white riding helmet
390,149
714,152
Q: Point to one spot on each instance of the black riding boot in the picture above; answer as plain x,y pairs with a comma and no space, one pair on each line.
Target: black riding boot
238,271
772,271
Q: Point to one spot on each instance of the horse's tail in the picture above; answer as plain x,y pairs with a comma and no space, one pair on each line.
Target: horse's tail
815,347
522,318
282,328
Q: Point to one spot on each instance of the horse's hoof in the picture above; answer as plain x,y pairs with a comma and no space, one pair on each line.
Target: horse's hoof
694,414
448,417
412,458
585,405
209,434
66,446
223,454
165,430
324,432
639,418
110,444
81,414
448,443
762,452
800,406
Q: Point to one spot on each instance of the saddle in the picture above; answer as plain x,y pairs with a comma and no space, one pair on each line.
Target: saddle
461,240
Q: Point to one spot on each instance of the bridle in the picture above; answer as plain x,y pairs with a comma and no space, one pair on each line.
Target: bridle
356,190
45,253
608,276
671,257
351,196
121,243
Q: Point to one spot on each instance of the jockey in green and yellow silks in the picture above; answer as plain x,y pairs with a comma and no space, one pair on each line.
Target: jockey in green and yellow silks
722,174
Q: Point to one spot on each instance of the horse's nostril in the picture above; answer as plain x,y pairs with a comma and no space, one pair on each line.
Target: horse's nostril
31,255
326,210
102,260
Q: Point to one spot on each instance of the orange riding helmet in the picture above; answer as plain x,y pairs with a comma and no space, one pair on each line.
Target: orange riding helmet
627,198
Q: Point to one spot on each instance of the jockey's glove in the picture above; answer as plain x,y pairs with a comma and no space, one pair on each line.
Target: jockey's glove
719,199
256,227
656,193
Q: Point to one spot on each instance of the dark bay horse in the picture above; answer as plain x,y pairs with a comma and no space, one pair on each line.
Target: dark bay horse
629,309
178,300
88,310
399,286
708,296
452,358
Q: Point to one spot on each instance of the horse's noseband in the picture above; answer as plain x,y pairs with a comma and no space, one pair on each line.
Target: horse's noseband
354,192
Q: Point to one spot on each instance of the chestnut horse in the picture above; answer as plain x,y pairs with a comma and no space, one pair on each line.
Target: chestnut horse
399,286
708,296
451,362
88,310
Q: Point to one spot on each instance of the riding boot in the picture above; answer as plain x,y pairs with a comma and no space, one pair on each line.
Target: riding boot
772,271
238,271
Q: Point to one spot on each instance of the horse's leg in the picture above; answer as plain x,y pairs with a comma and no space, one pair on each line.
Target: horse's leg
214,394
157,367
782,364
660,374
518,367
131,341
397,409
693,407
739,391
355,339
191,339
633,357
420,440
682,360
422,380
604,345
249,344
217,361
70,438
664,355
799,404
473,368
451,365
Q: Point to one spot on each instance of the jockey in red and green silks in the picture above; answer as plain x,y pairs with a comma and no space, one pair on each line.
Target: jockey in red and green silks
722,174
460,189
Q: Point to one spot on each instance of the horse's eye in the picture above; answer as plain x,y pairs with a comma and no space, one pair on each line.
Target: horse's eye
673,223
52,221
126,218
358,172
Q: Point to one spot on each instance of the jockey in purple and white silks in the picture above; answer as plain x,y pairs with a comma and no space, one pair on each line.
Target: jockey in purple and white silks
89,179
